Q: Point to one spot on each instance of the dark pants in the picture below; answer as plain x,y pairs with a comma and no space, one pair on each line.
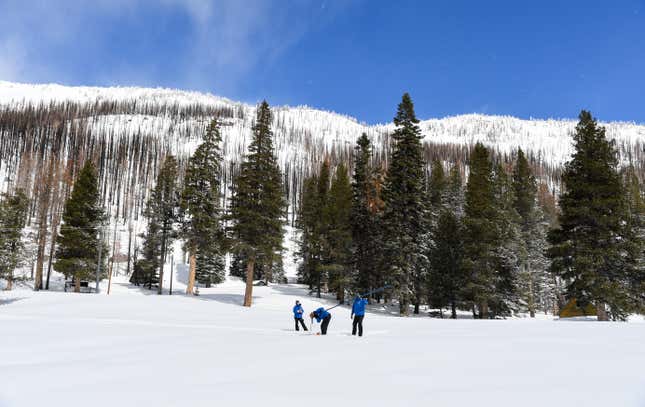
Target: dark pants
358,321
325,324
302,321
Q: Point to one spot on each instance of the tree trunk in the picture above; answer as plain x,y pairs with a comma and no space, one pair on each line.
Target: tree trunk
416,307
190,288
44,202
9,286
42,241
453,309
601,311
531,296
483,310
268,276
248,293
113,246
163,261
77,285
127,268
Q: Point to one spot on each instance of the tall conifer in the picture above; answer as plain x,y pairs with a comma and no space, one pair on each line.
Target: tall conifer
258,203
77,254
589,250
404,204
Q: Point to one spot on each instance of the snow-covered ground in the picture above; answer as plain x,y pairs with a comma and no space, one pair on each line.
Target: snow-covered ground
135,348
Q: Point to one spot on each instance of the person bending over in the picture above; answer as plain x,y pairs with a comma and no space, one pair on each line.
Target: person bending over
321,315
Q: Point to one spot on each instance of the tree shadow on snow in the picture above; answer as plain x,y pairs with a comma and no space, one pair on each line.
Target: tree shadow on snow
235,299
8,301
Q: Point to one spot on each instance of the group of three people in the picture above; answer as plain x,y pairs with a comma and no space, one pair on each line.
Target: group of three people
324,317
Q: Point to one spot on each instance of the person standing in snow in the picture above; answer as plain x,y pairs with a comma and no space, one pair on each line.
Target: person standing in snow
297,315
323,315
358,313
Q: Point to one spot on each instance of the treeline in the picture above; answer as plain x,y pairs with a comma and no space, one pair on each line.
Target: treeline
494,246
458,228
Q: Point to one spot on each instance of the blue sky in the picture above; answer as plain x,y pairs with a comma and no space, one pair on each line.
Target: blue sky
527,59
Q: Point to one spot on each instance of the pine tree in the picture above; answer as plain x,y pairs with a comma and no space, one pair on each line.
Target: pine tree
339,207
535,284
436,188
201,226
454,192
164,207
446,272
508,245
258,203
635,197
365,218
315,225
404,204
480,234
589,249
308,242
145,269
13,217
78,241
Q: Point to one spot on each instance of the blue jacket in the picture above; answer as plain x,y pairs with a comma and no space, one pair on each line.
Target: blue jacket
358,308
298,311
321,314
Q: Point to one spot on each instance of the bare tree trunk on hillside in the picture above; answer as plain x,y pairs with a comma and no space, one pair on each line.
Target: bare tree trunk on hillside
52,246
163,260
248,293
190,288
56,215
127,269
44,202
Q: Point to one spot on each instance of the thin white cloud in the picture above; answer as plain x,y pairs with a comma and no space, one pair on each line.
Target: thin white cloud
227,41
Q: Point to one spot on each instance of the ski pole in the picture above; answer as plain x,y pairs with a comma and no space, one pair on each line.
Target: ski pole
385,287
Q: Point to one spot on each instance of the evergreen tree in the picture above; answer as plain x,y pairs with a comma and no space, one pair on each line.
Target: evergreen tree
308,242
535,285
589,250
201,225
339,209
635,197
480,234
163,206
145,269
315,225
404,206
366,213
322,246
78,241
258,203
508,245
13,217
436,189
446,272
454,193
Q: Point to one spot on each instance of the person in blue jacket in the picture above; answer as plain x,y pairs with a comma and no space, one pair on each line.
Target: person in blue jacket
297,315
323,315
358,313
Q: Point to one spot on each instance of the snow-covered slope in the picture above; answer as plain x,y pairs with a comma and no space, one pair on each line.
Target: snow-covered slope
134,128
549,140
132,349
